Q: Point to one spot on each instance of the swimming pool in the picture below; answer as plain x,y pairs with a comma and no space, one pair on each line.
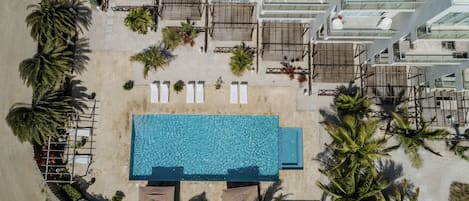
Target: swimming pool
204,147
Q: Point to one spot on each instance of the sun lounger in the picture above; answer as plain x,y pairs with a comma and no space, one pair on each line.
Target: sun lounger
164,92
80,132
243,93
154,92
200,94
190,92
234,93
80,159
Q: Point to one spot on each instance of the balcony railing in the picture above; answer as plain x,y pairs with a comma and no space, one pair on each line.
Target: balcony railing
380,4
422,33
304,7
445,84
456,57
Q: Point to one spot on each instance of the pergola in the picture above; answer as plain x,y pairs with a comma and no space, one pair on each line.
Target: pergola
232,21
284,41
333,62
181,9
386,85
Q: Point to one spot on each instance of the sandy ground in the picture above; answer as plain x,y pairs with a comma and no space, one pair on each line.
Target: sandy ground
21,179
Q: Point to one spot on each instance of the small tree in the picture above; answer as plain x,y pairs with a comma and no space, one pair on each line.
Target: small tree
171,38
188,33
138,20
241,60
152,58
178,86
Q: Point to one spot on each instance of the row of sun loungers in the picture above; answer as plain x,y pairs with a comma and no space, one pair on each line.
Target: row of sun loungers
195,92
242,96
157,96
199,88
168,193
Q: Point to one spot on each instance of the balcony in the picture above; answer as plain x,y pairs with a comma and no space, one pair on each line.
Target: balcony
292,10
452,58
428,34
399,5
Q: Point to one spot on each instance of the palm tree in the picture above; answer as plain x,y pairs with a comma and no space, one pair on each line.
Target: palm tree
48,67
354,144
357,105
52,19
241,59
138,20
412,138
171,38
37,121
354,186
188,33
152,58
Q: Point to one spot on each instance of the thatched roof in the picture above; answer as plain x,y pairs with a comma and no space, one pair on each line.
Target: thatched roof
458,192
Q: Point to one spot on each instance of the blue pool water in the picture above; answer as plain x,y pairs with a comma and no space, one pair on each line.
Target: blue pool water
204,147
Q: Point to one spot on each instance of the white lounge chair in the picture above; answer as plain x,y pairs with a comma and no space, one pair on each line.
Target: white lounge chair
243,93
190,92
80,132
200,93
234,93
82,159
154,92
164,92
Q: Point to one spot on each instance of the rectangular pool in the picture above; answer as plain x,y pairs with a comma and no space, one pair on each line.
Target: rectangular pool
204,147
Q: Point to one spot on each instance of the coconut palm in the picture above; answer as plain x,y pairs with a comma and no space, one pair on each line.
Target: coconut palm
171,38
354,144
241,59
152,58
138,20
402,192
354,186
48,67
50,19
37,121
357,105
412,138
188,33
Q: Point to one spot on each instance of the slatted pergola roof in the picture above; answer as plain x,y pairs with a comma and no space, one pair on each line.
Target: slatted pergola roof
232,21
283,40
181,9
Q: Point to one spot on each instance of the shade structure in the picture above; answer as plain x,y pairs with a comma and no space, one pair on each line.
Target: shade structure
156,193
247,193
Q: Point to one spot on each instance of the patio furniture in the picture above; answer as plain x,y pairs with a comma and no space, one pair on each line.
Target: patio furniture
234,93
164,92
243,93
82,159
80,132
200,94
247,193
154,92
190,92
156,193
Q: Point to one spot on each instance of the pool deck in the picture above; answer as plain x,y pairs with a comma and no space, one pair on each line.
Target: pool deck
110,67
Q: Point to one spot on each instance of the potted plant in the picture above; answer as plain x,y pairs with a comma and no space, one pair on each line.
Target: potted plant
128,85
178,86
301,78
138,20
188,33
218,83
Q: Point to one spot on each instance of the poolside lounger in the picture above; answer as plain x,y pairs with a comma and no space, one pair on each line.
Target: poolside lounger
82,159
154,92
190,92
243,93
164,92
80,132
234,93
200,94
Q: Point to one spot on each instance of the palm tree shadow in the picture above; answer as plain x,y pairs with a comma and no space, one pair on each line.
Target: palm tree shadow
77,92
167,53
391,172
199,197
80,49
272,192
390,101
81,12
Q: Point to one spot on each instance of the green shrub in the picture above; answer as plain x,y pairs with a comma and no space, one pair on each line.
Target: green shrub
241,60
178,86
128,85
138,20
171,38
72,193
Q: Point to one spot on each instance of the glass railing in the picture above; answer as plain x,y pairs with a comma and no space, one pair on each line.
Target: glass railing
289,15
445,84
294,7
442,34
362,33
432,58
380,4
